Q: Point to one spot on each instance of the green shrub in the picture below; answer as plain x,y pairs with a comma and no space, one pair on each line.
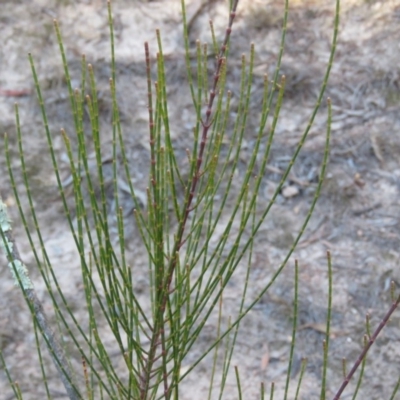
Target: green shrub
197,221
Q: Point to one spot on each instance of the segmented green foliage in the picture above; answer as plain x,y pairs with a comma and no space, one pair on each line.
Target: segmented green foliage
190,261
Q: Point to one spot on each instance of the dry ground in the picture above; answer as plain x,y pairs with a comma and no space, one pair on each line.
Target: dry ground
357,217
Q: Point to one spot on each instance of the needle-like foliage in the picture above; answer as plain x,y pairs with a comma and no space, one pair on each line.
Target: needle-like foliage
190,262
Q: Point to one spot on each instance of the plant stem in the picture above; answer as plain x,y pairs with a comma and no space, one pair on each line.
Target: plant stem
21,278
371,341
179,242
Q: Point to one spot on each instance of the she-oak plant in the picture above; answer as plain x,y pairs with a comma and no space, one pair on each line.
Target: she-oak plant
187,273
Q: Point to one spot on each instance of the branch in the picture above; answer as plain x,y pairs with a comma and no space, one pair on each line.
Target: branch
21,278
187,208
371,341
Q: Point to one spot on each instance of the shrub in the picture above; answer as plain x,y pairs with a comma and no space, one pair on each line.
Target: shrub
197,221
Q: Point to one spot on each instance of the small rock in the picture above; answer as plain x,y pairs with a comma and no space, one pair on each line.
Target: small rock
290,191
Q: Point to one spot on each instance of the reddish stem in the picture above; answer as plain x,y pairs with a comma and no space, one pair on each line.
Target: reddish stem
179,242
371,341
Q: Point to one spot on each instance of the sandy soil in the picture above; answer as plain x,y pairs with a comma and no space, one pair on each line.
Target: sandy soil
357,217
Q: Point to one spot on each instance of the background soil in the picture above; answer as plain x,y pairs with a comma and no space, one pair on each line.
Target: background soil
357,217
